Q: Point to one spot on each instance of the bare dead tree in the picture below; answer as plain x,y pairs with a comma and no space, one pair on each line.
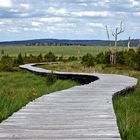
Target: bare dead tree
129,42
108,36
118,31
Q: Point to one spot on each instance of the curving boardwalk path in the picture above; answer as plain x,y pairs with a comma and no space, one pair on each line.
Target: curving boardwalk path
80,113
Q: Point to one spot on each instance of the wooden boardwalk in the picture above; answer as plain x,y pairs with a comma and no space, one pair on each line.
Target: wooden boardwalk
80,113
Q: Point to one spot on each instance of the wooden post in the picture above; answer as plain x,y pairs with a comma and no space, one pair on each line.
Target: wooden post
129,41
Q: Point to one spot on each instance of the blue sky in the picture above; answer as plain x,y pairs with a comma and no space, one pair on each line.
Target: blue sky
67,19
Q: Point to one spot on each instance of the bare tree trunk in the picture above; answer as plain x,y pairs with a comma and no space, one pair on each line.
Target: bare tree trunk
108,35
116,42
112,57
129,41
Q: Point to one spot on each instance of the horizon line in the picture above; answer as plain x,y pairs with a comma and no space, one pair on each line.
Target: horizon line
65,39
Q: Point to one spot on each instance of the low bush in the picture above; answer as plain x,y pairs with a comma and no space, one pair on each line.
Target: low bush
88,60
51,79
6,63
20,59
50,57
72,58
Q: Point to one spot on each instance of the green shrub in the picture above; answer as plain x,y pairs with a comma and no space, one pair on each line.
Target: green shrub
106,59
127,58
60,58
103,58
72,58
20,59
2,52
39,58
130,57
31,59
88,60
99,58
121,57
6,63
50,57
51,79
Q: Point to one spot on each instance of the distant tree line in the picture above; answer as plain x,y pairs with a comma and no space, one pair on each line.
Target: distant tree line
129,57
8,63
123,43
63,42
52,44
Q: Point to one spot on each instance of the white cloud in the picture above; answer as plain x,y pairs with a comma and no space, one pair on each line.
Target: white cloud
51,19
51,28
13,30
5,3
65,25
25,6
90,31
81,0
24,14
92,14
1,23
83,4
57,11
14,10
100,25
136,14
31,29
134,3
6,22
34,23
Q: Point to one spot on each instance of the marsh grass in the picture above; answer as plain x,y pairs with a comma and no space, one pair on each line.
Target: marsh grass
18,88
74,66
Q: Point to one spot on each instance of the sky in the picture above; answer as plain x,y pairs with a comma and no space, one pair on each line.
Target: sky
68,19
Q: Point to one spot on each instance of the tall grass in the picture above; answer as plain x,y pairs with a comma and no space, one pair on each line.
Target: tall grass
18,88
74,66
